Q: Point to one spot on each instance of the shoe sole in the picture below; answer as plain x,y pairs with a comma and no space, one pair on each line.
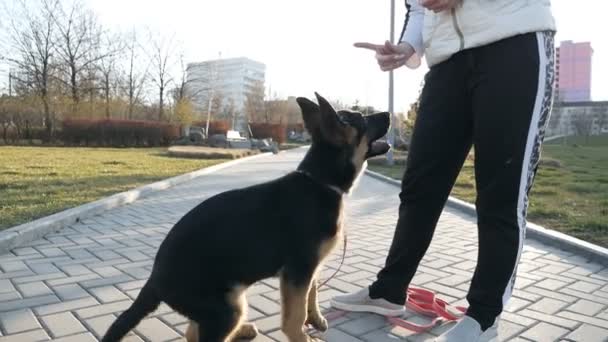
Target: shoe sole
368,308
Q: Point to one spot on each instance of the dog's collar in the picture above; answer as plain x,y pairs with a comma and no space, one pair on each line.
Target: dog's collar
329,186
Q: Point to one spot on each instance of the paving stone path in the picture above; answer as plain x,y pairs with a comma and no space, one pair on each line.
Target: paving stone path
71,285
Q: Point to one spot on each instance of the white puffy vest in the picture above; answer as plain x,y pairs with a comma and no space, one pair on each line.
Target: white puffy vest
479,22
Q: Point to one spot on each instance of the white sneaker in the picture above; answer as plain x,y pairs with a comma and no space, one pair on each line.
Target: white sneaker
360,301
468,330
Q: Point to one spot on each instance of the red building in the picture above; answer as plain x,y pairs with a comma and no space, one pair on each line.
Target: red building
573,78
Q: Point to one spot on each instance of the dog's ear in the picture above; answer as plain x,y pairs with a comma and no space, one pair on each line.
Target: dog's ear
332,128
311,114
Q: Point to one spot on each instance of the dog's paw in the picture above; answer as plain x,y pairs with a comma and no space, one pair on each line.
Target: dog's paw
317,321
247,331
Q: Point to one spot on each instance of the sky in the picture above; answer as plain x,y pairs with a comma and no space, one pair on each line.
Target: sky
307,45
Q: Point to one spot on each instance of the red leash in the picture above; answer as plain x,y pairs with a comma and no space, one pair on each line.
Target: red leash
420,301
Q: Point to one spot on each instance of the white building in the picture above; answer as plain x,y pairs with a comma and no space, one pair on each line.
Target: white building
232,77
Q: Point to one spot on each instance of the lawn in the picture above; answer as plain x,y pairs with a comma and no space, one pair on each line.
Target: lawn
570,193
39,181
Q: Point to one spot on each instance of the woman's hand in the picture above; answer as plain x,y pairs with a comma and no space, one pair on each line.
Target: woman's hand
439,5
389,56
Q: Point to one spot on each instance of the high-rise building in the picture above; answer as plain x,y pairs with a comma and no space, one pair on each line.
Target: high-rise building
573,71
233,78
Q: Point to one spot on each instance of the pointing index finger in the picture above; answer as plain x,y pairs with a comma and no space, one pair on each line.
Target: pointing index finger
368,46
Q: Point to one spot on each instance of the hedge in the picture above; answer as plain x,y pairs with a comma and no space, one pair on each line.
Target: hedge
116,132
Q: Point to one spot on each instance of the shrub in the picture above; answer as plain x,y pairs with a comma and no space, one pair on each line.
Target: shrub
121,133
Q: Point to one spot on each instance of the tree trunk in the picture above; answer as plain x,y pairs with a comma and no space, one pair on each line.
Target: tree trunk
48,120
161,104
107,95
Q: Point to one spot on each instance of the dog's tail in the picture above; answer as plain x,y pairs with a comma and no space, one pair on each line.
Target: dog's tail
146,302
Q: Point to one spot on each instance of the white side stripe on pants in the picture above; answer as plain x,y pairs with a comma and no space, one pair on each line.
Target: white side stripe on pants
536,132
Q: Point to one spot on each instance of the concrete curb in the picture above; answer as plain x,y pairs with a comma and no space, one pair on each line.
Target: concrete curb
533,231
19,235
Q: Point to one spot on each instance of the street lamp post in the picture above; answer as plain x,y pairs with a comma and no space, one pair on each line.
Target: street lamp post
391,132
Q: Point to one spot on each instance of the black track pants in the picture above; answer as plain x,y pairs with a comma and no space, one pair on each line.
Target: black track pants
497,98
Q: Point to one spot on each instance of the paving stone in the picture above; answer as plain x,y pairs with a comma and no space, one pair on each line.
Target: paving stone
40,277
104,309
62,324
548,306
27,302
545,332
35,335
588,333
66,306
585,286
34,289
6,286
18,321
586,307
154,329
507,330
363,325
87,284
99,325
84,337
552,319
264,305
581,318
107,294
269,323
70,291
551,284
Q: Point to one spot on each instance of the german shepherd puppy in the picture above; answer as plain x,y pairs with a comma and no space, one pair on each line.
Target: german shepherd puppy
282,228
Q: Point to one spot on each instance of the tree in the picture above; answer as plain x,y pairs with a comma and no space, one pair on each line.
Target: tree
161,56
217,104
33,46
135,74
184,111
293,112
583,124
229,112
108,69
79,39
600,115
276,111
254,102
5,116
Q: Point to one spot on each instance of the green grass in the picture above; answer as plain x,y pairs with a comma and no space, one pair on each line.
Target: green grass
570,193
39,181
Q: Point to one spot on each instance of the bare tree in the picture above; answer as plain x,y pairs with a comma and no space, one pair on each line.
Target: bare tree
5,117
600,114
254,103
583,124
33,48
79,36
108,69
229,112
162,58
276,111
135,76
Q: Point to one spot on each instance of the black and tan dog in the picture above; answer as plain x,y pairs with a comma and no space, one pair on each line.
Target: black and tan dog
283,228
